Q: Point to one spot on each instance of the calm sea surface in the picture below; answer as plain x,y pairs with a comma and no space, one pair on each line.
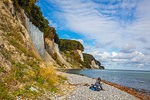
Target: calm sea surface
129,78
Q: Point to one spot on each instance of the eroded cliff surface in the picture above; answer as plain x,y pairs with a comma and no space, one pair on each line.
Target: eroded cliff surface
36,36
22,69
53,50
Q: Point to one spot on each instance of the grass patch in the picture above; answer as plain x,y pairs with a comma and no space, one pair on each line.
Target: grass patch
17,36
26,93
17,43
62,79
46,78
4,92
2,69
6,54
49,75
33,64
17,72
19,46
27,87
38,79
55,90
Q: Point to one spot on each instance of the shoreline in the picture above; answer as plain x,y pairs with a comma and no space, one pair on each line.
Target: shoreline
131,91
82,91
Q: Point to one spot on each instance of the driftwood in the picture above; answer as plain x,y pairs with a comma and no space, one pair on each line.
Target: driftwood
81,84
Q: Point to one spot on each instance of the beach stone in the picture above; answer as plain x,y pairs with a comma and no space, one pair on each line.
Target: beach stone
33,89
84,93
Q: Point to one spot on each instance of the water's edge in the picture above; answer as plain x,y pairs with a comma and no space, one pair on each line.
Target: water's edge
67,71
135,92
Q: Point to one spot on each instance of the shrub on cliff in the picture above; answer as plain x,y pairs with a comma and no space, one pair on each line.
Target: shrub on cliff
68,45
74,59
49,75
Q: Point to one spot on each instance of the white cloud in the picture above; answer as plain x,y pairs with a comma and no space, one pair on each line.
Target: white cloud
86,18
127,48
125,26
105,55
118,60
114,54
115,59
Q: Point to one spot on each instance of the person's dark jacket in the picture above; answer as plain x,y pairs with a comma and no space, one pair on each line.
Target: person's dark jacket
98,85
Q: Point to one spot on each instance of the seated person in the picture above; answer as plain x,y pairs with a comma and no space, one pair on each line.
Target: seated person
97,86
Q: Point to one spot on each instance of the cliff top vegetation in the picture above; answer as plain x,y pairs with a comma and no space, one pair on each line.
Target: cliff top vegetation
68,45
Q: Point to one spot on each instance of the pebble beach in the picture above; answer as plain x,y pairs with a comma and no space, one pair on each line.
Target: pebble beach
82,92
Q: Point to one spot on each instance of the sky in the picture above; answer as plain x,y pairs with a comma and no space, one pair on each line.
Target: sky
115,32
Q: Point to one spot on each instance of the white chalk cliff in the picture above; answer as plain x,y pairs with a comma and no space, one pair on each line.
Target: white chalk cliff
52,48
37,38
80,54
36,35
94,65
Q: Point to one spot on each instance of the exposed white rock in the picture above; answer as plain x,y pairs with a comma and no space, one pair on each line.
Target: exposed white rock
60,56
33,89
48,59
49,46
36,35
93,64
81,55
52,49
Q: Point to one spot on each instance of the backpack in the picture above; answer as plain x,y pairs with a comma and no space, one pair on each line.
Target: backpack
92,88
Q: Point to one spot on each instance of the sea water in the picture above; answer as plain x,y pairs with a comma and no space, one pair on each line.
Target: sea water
130,78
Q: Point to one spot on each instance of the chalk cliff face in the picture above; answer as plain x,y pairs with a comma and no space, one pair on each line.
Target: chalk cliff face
60,58
94,65
36,35
49,46
53,50
80,54
91,62
72,49
72,52
37,38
